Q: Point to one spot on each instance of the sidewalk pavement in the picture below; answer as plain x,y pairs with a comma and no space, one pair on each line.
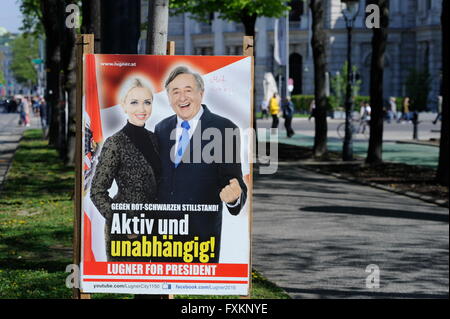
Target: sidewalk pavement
314,235
10,136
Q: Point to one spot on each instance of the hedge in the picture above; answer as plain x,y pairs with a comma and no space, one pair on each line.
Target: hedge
302,103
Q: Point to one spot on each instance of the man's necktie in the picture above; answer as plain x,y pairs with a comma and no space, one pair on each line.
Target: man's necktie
182,143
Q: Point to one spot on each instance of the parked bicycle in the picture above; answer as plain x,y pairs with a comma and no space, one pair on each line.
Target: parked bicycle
359,127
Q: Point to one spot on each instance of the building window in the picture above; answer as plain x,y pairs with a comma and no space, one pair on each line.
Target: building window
234,50
239,27
203,51
394,6
205,27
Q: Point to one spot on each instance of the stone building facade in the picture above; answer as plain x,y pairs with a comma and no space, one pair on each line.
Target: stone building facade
10,87
414,42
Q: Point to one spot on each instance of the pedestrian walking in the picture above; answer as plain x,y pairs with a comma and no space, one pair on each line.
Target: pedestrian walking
274,109
21,109
392,110
405,111
288,113
27,110
35,105
312,109
264,109
362,109
365,111
439,115
43,115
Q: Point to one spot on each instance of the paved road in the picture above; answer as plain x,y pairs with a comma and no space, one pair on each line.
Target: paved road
392,132
314,235
392,150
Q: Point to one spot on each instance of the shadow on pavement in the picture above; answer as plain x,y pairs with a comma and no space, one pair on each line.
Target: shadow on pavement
330,293
377,212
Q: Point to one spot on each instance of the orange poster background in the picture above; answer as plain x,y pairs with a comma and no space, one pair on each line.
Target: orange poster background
112,72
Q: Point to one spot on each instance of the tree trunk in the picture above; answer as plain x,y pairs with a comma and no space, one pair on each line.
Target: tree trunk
442,171
249,22
92,21
158,23
70,81
52,20
379,41
52,53
120,26
318,43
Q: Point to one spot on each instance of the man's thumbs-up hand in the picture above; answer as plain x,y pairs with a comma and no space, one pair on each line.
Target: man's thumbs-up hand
231,192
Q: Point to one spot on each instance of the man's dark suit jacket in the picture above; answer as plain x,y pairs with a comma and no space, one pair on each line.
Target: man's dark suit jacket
201,182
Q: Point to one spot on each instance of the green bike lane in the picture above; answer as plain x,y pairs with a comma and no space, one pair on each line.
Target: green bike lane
413,154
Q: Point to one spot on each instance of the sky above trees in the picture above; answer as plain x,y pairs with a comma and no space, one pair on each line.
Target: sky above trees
10,16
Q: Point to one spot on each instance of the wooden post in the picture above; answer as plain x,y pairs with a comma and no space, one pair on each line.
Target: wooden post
85,45
170,47
248,50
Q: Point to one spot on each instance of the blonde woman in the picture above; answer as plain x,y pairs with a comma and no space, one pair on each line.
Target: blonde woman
131,158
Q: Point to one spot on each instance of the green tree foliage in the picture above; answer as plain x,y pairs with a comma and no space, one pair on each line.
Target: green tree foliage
339,85
245,11
24,50
2,75
31,17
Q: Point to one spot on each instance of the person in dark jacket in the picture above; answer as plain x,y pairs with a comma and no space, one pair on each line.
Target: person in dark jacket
131,158
185,180
288,113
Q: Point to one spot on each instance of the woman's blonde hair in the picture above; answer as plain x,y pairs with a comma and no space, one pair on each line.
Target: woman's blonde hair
134,83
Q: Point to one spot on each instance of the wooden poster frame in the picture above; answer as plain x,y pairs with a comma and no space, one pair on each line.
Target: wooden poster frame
84,45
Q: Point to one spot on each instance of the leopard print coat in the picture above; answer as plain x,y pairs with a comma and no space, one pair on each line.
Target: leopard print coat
120,160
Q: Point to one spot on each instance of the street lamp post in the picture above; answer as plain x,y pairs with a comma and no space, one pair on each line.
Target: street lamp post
350,10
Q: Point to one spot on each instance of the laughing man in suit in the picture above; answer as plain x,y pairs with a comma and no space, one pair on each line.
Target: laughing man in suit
187,181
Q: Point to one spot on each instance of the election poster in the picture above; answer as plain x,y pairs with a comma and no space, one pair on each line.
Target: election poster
166,174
